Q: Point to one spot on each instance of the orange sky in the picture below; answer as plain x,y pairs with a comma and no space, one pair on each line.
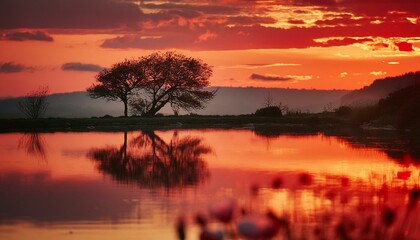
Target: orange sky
328,44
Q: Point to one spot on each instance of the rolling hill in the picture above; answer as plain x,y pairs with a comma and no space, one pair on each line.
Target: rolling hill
228,101
379,89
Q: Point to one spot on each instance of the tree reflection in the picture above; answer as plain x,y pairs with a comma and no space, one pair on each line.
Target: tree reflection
397,145
152,162
400,146
33,143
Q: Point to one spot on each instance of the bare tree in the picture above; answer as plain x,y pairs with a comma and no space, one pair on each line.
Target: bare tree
283,108
268,101
34,104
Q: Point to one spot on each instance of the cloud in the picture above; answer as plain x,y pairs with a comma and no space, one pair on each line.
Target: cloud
342,41
367,8
404,46
172,40
295,21
23,36
10,67
206,36
342,20
223,9
269,77
378,46
259,37
77,66
238,24
378,73
250,20
257,66
300,77
80,14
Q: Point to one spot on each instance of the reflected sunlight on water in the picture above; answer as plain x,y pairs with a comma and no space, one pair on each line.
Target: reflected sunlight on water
135,185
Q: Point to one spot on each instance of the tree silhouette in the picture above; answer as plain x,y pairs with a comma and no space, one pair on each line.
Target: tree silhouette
175,79
155,80
34,104
118,83
152,162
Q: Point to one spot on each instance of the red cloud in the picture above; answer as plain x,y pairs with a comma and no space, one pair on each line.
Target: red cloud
269,77
24,36
367,8
238,24
405,46
345,20
259,37
295,21
344,42
81,14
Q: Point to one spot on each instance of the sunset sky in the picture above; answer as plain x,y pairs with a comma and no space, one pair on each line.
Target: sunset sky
321,44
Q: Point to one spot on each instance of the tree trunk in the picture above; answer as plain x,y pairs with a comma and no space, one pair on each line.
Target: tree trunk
125,109
156,107
123,150
152,112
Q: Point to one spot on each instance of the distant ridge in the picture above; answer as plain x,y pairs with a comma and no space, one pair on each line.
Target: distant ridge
228,101
65,105
379,89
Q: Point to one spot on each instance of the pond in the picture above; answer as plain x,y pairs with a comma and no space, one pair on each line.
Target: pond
140,184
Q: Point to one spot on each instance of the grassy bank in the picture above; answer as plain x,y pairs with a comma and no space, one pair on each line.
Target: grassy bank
190,121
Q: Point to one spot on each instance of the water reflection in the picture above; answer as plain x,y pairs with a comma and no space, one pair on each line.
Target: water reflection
152,162
400,146
34,144
320,183
38,198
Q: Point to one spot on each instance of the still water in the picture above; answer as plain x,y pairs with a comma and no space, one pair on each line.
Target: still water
135,185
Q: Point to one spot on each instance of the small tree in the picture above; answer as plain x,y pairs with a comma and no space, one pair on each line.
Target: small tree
283,108
175,79
118,82
34,104
268,101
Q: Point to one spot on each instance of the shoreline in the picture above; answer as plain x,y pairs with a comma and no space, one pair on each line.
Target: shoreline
305,121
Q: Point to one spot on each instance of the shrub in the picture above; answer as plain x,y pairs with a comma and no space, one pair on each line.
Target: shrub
271,111
343,111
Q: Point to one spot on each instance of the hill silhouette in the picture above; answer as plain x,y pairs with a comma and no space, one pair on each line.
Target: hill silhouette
228,101
379,89
402,107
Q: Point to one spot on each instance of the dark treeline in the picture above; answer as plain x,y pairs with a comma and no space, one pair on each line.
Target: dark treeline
399,109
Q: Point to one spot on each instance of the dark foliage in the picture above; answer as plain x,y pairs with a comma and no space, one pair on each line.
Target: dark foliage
118,83
174,79
149,83
343,111
403,105
271,111
399,108
380,89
